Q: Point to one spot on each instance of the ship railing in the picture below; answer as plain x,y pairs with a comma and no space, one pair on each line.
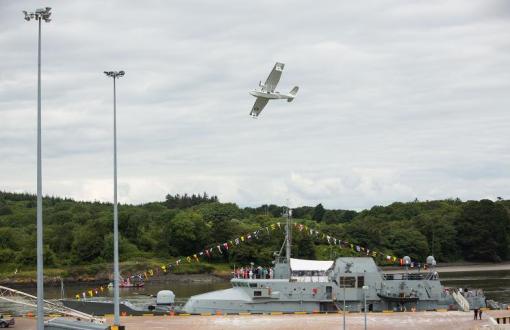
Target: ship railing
409,276
310,279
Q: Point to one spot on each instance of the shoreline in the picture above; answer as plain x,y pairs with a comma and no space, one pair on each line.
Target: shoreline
182,278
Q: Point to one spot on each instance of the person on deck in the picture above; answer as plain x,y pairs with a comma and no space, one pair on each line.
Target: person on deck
480,314
476,313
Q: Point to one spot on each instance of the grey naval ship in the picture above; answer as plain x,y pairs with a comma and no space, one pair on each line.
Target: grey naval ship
347,283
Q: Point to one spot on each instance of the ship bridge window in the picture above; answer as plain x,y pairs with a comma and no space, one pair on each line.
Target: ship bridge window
257,293
253,285
361,281
348,282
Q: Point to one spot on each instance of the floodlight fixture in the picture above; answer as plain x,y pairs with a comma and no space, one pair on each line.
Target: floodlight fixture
40,14
114,74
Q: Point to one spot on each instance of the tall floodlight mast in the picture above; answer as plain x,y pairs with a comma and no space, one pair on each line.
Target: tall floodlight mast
42,14
116,319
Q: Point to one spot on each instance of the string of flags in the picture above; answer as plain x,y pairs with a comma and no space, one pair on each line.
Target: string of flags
345,244
219,248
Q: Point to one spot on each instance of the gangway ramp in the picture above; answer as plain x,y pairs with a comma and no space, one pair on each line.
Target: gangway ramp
461,301
23,298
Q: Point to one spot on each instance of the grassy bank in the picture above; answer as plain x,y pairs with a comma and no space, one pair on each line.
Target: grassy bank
103,271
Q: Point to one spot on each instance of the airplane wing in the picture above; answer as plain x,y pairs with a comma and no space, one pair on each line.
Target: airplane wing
274,77
259,105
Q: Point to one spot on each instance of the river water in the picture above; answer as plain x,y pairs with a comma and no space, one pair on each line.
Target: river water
495,284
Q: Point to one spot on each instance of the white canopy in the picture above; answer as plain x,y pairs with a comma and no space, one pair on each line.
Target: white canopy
313,265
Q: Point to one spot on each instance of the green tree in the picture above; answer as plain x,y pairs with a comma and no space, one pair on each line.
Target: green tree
186,233
60,238
219,217
127,250
318,213
403,240
88,243
304,248
441,234
483,229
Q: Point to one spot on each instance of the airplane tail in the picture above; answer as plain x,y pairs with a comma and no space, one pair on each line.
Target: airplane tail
293,93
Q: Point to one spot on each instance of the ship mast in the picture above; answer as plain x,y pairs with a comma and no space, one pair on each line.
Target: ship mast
288,235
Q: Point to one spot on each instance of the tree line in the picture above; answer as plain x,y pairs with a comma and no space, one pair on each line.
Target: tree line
77,232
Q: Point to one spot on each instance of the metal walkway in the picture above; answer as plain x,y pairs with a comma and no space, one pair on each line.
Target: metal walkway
22,298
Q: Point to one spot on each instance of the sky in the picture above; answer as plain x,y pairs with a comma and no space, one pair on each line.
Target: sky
398,100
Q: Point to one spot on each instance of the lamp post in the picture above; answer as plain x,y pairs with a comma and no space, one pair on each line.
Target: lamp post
343,284
116,320
39,15
365,290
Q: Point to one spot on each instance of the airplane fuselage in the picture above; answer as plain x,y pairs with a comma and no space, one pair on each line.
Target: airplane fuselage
270,96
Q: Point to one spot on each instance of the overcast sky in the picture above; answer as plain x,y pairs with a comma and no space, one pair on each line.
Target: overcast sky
398,100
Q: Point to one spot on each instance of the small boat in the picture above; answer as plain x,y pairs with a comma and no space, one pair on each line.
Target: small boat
127,283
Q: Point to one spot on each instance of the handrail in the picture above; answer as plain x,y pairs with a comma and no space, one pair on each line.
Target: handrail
23,298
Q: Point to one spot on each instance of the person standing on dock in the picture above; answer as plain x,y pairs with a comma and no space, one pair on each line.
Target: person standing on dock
480,314
476,313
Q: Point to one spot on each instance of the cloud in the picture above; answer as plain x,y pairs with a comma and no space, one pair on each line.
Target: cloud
398,100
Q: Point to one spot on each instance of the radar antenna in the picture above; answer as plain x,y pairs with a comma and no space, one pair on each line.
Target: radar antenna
288,235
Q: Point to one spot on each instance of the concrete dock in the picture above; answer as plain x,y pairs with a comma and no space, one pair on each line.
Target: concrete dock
376,321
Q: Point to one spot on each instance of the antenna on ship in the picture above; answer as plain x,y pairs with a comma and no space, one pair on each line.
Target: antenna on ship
288,234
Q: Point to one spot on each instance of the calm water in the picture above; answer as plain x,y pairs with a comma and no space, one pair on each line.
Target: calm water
496,285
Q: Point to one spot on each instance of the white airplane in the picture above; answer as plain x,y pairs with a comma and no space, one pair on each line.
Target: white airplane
267,91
